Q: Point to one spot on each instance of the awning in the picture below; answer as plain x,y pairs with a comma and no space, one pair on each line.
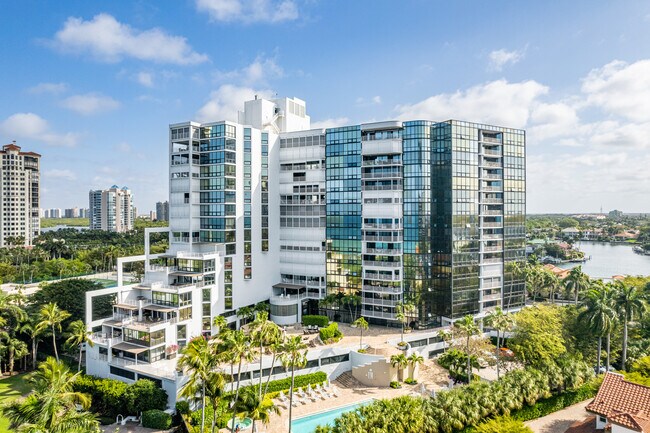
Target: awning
160,308
288,286
131,348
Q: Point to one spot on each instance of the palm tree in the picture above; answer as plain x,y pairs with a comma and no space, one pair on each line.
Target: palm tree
239,350
576,282
293,357
468,326
33,332
220,323
10,306
276,348
197,360
414,360
600,314
51,317
256,408
265,333
79,335
403,311
17,349
628,301
551,282
399,361
361,324
502,322
52,407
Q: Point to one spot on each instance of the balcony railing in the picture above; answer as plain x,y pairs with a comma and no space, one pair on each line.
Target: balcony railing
381,302
382,264
381,289
374,276
490,164
394,174
382,188
379,314
382,226
382,251
380,162
391,239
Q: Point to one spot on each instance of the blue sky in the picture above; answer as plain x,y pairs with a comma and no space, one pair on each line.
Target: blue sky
93,85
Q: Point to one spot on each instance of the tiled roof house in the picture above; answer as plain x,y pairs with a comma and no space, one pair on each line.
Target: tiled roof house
624,406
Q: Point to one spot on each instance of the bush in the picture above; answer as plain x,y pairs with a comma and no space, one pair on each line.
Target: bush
330,334
410,381
320,321
105,420
183,407
110,397
144,395
156,419
502,424
557,402
395,385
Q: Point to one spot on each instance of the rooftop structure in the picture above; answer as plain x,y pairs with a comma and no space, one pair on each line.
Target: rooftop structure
624,405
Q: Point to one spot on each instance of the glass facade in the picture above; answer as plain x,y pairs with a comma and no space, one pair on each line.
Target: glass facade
343,204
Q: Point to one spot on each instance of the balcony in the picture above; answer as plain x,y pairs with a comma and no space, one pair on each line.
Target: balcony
492,212
492,176
382,289
384,277
382,226
147,343
393,174
379,314
490,152
385,251
490,261
380,162
382,264
488,237
492,201
382,187
380,302
391,239
103,338
147,325
491,249
486,188
490,164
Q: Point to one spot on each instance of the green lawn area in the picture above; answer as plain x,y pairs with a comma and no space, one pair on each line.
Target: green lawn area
105,283
70,222
11,388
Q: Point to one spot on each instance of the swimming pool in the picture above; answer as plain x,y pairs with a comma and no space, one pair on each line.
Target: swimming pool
307,424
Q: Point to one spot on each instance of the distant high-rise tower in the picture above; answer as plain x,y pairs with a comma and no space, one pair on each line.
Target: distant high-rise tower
111,209
20,187
162,211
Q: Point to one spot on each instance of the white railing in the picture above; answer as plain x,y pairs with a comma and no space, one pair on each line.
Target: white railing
382,264
378,314
382,289
380,162
382,226
382,251
391,239
288,297
371,276
130,302
382,302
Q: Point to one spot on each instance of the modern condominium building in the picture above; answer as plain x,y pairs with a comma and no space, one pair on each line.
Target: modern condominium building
111,209
20,191
162,211
266,209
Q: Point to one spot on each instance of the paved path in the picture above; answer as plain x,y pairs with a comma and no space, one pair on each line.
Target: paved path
560,421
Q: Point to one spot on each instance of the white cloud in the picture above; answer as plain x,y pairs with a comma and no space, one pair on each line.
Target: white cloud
259,72
375,100
226,101
249,11
503,57
497,102
621,88
60,174
30,126
330,123
108,40
49,88
90,103
145,78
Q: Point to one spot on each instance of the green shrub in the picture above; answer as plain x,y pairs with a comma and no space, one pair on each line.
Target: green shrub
144,395
395,385
106,420
502,424
110,397
330,334
156,419
320,321
410,381
183,407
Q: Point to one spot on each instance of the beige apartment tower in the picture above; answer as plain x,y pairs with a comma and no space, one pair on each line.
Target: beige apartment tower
111,209
20,186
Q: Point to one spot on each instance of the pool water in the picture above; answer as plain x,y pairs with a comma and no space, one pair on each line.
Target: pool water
307,424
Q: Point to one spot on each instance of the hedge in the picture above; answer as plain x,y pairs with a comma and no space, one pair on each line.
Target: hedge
558,402
330,333
320,321
112,397
156,419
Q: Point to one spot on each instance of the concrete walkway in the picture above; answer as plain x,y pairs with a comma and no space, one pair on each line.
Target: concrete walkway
560,421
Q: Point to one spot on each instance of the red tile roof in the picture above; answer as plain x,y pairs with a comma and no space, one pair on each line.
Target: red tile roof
623,403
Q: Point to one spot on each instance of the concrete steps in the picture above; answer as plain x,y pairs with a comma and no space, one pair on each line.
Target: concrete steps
345,380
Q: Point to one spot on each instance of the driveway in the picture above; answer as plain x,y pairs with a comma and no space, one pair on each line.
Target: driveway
560,421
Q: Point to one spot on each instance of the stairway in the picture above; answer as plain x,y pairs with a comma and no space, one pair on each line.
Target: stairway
345,380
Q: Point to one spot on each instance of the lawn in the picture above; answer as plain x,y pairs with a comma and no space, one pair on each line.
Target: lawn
105,283
11,388
70,222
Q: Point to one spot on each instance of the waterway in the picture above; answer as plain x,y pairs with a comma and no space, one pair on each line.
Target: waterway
608,260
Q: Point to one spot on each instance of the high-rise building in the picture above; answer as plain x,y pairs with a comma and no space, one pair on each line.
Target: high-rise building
162,211
111,209
20,191
266,209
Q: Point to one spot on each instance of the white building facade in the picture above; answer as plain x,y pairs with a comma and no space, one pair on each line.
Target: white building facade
20,192
111,209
